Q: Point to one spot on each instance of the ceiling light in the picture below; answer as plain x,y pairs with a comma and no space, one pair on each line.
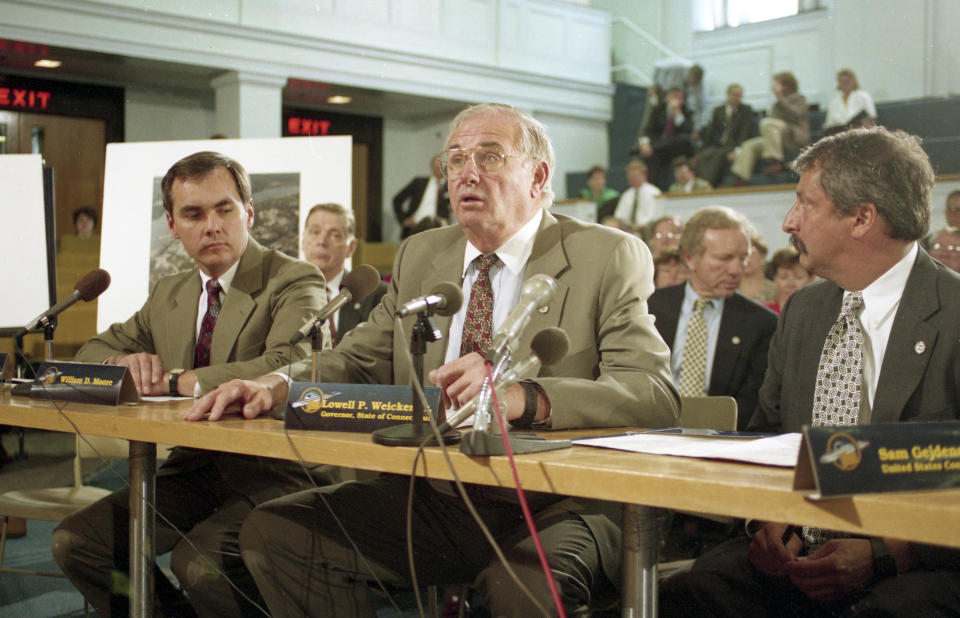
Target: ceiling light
338,99
46,63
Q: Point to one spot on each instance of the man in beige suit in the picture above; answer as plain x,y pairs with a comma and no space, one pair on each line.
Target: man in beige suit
498,165
230,317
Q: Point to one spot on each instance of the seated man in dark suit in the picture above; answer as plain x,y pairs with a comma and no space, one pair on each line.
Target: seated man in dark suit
422,197
328,240
718,337
667,137
230,317
886,313
498,163
730,126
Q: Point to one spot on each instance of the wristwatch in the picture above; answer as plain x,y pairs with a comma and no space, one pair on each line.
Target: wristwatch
884,565
525,420
174,379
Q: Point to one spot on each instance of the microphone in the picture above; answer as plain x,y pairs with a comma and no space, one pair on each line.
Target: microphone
537,291
87,288
356,285
549,346
444,299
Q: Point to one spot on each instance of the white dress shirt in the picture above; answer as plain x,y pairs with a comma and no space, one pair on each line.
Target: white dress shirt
646,209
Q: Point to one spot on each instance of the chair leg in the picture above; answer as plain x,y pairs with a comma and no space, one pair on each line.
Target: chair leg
3,537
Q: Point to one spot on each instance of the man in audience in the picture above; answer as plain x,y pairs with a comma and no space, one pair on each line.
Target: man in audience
694,95
637,204
667,137
730,126
952,210
946,248
598,192
664,234
422,197
231,317
686,181
786,128
718,338
498,162
885,313
328,241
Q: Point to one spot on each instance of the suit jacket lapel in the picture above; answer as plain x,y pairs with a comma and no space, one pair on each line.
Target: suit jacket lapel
903,365
821,318
180,323
238,304
729,339
446,266
549,258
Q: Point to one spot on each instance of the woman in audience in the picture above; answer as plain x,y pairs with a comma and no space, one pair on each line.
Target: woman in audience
852,108
669,269
788,276
754,284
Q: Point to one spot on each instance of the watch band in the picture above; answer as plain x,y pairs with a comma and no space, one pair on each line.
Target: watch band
173,382
525,420
884,565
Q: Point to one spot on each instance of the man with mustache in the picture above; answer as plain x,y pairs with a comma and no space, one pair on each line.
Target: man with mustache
498,164
878,341
230,317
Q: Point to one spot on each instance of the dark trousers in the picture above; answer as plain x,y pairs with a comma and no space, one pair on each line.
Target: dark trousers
723,582
313,553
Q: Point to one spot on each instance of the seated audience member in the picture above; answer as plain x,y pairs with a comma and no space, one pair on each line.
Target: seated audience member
617,375
85,221
637,205
669,269
663,234
615,223
946,248
730,126
863,201
754,283
952,209
786,128
230,317
694,95
598,191
328,241
851,108
685,180
718,338
667,137
428,223
789,275
422,197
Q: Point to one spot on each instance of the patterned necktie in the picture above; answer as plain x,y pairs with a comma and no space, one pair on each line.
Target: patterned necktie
636,205
201,356
478,323
839,389
693,368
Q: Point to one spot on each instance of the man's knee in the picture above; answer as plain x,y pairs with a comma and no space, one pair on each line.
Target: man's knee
64,545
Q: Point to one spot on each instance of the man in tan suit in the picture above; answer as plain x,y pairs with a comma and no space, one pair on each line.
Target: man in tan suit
498,164
230,317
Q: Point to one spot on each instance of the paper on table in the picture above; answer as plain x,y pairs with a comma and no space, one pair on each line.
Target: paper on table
779,450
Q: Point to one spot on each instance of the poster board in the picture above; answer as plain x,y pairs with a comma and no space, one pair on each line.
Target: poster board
24,240
135,245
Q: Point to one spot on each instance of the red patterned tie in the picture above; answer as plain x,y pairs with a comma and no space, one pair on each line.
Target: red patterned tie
478,323
202,355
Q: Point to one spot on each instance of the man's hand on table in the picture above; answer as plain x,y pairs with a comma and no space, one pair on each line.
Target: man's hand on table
251,398
146,371
460,381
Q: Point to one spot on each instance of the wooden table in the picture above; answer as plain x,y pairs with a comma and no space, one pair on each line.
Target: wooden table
641,482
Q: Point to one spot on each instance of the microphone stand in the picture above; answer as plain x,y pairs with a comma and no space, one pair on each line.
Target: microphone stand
316,347
48,328
424,330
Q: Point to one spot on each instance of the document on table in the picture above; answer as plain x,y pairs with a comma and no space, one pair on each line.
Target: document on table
781,450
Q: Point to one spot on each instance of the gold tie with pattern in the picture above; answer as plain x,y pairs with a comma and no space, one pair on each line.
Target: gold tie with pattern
478,323
839,389
693,368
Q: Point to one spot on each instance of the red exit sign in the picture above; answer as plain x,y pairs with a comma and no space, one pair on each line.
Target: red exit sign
24,97
307,126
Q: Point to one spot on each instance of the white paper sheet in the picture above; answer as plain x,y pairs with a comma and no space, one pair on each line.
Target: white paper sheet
779,450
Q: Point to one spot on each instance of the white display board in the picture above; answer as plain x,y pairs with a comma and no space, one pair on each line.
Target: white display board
308,170
23,278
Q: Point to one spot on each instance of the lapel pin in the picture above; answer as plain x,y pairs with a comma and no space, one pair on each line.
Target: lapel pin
919,347
544,309
735,340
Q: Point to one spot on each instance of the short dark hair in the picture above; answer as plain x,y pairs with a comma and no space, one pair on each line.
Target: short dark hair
888,169
787,80
337,209
198,165
953,194
88,211
595,169
678,161
788,257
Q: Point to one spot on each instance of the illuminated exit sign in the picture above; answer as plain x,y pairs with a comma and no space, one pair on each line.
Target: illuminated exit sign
307,126
24,98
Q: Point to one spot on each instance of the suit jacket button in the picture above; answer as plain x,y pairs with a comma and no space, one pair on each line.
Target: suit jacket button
919,347
544,309
735,340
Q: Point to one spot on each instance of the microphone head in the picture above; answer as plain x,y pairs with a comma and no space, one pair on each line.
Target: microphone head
550,345
93,284
453,295
542,288
361,281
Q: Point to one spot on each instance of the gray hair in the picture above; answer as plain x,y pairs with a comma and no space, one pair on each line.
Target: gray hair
888,169
534,141
337,209
710,218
